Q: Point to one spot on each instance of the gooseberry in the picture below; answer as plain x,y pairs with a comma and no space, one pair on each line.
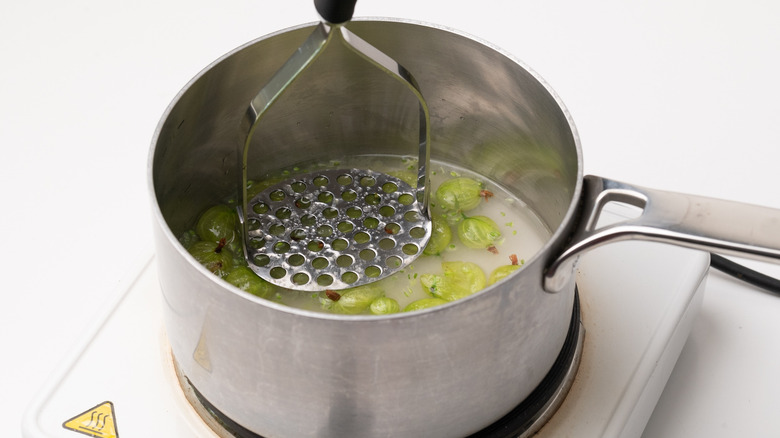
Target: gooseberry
479,232
213,255
245,279
460,279
424,303
384,306
218,222
441,235
459,194
353,300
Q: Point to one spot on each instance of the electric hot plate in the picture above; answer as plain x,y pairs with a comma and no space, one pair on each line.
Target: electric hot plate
637,303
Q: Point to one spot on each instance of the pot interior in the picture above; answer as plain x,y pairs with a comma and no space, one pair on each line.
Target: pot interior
489,114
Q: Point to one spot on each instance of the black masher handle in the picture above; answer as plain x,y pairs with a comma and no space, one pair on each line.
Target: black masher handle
335,11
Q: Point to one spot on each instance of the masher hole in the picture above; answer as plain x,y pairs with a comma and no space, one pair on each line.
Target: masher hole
362,237
278,272
325,197
324,280
417,232
260,208
393,262
320,263
300,278
298,187
261,260
283,213
296,260
330,213
386,210
349,195
276,230
281,247
315,246
324,230
412,216
406,199
372,199
298,234
367,254
345,227
386,244
411,249
371,223
389,187
339,244
349,277
344,261
303,203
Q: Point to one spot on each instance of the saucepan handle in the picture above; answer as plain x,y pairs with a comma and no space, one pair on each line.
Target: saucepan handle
725,227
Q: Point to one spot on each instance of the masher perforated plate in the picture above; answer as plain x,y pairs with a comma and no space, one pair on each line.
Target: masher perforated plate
334,229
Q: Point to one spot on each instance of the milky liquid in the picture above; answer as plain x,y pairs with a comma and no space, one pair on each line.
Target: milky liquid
523,233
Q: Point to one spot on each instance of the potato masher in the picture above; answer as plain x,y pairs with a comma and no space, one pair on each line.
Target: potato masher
339,228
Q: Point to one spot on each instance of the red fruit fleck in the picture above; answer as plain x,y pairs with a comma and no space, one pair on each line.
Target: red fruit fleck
333,295
221,244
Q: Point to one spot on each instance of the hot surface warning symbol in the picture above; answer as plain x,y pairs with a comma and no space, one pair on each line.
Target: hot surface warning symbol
98,421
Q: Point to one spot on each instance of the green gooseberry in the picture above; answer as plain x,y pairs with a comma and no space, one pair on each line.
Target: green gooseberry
384,306
353,300
245,279
213,255
459,194
236,246
425,303
216,223
479,232
441,235
432,283
460,279
501,272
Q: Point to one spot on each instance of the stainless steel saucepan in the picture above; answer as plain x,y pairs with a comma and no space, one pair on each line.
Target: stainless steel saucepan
447,371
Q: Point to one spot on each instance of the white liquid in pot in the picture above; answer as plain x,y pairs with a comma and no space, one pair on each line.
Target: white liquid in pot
523,234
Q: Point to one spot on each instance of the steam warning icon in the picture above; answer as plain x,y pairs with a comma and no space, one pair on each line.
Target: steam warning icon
98,421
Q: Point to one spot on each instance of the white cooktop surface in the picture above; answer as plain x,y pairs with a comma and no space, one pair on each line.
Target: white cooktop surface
639,301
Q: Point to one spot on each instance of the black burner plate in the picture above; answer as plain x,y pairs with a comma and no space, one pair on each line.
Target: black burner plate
524,415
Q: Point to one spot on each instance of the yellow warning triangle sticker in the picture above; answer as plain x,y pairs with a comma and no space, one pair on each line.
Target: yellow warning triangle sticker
98,421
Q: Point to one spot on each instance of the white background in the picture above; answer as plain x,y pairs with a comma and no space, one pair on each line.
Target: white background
672,94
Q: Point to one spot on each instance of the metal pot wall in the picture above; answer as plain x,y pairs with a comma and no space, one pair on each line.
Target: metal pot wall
447,371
